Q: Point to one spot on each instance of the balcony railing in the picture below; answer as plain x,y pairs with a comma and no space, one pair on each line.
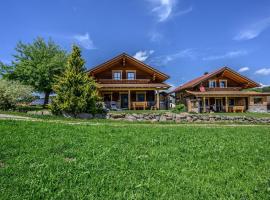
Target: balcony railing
124,81
223,89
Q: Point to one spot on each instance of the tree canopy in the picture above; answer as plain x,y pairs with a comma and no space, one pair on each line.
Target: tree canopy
36,64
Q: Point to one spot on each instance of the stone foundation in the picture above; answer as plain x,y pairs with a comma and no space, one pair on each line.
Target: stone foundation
185,117
258,108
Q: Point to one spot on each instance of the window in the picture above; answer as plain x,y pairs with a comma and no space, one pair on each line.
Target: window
140,97
222,83
131,75
212,83
231,102
258,100
117,75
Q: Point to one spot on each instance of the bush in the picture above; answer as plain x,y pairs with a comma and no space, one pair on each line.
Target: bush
12,93
180,108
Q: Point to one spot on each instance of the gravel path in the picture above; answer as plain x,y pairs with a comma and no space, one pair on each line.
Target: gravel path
5,116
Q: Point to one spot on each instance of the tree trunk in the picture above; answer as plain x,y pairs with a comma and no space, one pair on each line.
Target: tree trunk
46,99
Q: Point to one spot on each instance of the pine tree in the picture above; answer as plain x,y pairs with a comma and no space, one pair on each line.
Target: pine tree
76,91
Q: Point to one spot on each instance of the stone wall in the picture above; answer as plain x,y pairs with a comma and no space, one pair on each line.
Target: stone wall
185,117
258,108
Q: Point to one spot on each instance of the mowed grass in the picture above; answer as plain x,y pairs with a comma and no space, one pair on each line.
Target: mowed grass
42,160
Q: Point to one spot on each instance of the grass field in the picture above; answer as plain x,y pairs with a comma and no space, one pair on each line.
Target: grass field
44,160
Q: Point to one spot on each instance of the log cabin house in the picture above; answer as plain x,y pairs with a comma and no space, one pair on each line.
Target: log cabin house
223,90
127,83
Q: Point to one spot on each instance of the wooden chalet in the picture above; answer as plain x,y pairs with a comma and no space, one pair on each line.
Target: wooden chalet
223,90
127,83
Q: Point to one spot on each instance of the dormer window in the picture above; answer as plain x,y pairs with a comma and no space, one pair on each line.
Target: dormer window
117,75
222,83
131,75
212,83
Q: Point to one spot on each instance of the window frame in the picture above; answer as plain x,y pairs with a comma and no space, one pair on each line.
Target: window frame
209,85
226,83
116,71
131,71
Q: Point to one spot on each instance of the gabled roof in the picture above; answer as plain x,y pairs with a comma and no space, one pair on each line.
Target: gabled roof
124,56
200,79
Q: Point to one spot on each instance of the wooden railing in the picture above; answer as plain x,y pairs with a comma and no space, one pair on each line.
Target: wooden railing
123,81
223,89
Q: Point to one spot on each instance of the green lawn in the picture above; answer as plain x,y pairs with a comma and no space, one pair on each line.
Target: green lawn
45,160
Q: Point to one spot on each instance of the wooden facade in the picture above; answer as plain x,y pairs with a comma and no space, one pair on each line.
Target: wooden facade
127,83
223,90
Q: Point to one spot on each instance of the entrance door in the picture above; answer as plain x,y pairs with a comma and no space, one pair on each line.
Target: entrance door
218,105
124,100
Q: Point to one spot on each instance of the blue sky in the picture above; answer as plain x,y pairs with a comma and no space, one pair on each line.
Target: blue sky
183,38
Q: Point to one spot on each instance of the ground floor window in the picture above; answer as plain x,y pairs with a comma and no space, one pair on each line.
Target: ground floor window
231,102
107,97
258,100
140,97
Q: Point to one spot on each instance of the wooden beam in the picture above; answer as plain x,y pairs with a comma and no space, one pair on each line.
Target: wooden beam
226,104
204,105
129,100
158,103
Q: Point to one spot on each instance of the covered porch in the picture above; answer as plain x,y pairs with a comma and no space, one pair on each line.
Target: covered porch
218,104
132,99
133,96
226,101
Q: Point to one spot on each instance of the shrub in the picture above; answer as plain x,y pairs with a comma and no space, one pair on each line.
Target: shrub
180,108
12,93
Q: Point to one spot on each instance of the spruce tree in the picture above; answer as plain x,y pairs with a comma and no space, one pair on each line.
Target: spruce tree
76,92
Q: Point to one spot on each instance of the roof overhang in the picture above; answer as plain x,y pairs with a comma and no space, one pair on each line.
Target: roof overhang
150,86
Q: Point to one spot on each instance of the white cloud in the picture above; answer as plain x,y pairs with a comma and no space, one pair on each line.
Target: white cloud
263,71
263,85
165,59
143,55
85,41
243,69
230,54
186,11
164,9
155,36
253,30
173,86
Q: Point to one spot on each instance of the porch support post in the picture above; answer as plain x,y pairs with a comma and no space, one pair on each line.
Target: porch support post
158,104
204,105
226,104
129,100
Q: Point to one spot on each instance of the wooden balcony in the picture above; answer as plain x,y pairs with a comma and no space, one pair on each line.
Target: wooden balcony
223,89
124,81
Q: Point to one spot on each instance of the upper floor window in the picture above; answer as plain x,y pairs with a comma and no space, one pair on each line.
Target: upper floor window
131,75
117,75
212,83
222,83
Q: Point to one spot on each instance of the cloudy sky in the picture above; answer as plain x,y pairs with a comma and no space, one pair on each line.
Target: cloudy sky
183,38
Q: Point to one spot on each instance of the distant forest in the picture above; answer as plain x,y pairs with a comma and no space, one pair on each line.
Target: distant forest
262,89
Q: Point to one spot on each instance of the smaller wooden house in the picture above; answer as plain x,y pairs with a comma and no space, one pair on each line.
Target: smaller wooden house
223,90
127,83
